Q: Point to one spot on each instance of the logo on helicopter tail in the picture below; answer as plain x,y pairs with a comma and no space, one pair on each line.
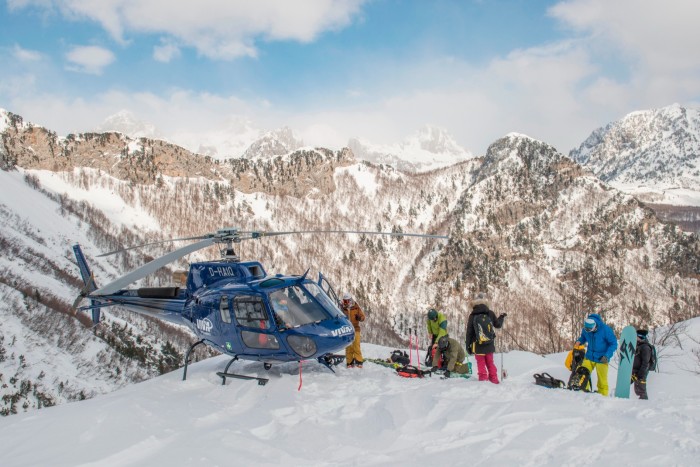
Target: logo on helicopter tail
342,331
204,325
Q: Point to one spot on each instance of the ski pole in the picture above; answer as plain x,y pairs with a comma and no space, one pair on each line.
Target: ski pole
410,347
417,354
504,373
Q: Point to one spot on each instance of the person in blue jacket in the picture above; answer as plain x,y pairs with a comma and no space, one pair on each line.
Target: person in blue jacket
601,346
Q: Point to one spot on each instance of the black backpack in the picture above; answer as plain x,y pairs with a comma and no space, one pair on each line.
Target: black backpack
400,357
580,380
653,360
483,329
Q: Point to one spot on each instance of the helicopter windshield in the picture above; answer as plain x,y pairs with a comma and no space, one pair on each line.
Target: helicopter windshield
295,306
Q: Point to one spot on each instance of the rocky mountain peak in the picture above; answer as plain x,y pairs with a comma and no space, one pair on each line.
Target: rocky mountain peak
126,122
435,140
659,146
274,143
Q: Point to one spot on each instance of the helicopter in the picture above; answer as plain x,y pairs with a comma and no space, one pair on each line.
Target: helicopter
234,306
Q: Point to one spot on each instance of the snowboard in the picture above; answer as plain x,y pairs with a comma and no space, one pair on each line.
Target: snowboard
628,344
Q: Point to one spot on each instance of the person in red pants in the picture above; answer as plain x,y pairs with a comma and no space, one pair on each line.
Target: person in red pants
481,337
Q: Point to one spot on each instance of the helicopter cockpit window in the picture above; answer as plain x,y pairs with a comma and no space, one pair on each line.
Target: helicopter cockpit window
224,310
322,297
294,306
250,312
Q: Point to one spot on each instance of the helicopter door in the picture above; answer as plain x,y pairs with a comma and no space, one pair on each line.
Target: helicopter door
326,287
254,323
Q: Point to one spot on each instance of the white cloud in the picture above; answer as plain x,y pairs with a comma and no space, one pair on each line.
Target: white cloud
166,52
89,59
26,55
659,35
216,29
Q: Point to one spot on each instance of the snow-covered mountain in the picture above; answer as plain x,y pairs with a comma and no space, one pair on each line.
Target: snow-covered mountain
549,241
312,417
654,154
430,148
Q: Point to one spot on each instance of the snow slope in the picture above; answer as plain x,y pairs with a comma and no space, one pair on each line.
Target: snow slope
369,416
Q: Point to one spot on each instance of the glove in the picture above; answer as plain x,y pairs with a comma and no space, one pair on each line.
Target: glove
434,369
634,377
503,315
447,373
603,359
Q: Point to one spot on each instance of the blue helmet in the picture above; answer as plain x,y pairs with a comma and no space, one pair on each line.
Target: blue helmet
589,325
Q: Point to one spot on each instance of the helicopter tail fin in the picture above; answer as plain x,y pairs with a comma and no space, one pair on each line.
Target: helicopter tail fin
85,273
88,282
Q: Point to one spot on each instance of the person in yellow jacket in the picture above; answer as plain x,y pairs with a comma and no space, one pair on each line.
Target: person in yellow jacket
437,327
353,352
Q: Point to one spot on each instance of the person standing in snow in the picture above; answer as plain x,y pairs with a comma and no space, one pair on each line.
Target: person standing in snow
453,356
601,346
640,366
353,352
437,327
483,351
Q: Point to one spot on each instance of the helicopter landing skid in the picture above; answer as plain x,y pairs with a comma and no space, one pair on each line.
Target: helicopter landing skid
330,360
225,374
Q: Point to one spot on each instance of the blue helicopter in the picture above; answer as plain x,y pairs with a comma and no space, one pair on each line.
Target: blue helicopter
235,306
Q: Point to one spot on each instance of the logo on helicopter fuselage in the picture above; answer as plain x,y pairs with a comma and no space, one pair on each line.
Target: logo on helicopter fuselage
342,331
204,325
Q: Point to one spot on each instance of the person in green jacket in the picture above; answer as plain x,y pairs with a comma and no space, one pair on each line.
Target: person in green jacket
437,327
453,356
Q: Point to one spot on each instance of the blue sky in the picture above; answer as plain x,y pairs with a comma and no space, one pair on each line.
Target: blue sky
336,69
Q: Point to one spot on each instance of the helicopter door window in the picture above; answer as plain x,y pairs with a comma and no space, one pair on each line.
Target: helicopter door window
250,312
224,309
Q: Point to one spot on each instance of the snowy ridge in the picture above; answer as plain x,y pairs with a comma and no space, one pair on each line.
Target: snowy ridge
654,154
371,416
430,148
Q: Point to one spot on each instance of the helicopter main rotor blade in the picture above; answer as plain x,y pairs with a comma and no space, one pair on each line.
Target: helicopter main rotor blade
148,268
393,234
199,237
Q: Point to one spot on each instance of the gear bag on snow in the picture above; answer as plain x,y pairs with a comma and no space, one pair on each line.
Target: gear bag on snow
410,371
548,381
483,328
